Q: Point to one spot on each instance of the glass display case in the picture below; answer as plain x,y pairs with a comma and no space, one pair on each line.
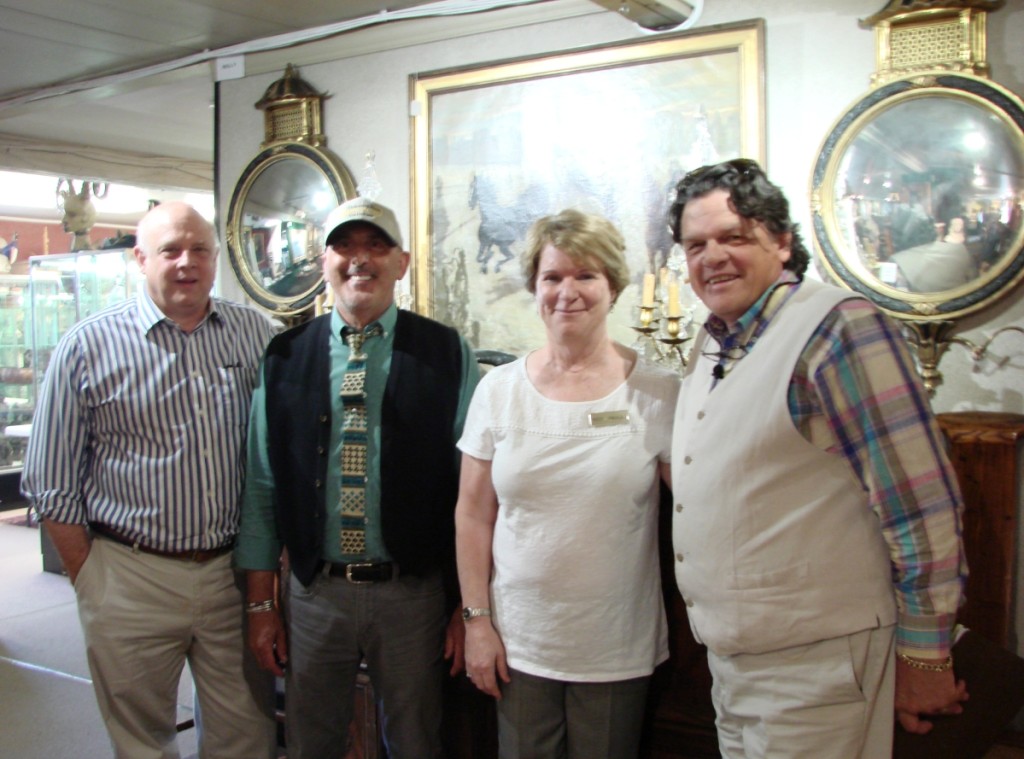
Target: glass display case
35,311
16,379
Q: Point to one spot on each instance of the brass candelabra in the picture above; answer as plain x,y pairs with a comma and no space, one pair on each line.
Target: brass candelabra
663,339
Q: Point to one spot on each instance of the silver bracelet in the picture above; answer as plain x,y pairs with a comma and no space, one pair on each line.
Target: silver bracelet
257,607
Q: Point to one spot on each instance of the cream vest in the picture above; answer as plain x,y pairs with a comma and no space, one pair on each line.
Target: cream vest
775,545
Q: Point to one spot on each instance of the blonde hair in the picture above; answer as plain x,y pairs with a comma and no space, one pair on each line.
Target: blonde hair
580,236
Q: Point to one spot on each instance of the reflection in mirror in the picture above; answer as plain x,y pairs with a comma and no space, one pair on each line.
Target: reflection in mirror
276,216
917,194
281,226
928,193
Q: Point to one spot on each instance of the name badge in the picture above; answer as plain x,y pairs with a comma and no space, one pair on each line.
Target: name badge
607,418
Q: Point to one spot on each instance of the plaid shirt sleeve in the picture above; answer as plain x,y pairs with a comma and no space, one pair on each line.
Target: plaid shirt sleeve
855,393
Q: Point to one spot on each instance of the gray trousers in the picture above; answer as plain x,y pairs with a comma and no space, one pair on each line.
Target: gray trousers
398,628
539,718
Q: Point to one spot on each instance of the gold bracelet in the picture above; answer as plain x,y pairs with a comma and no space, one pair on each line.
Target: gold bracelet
256,607
943,666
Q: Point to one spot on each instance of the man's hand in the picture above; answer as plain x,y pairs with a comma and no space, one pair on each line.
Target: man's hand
72,543
455,642
920,693
267,640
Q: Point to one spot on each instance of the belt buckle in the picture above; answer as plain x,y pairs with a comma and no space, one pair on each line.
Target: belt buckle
362,565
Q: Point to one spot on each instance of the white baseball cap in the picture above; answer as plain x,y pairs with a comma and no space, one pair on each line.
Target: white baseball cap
363,209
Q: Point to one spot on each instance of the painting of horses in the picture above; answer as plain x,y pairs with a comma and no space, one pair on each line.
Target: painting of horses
607,130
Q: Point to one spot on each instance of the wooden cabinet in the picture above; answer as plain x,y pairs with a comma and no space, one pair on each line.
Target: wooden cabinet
680,716
985,451
364,732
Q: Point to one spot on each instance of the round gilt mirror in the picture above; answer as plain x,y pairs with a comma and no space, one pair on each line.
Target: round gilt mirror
917,196
275,223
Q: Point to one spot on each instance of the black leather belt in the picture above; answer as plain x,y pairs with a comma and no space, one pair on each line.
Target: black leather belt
360,572
199,555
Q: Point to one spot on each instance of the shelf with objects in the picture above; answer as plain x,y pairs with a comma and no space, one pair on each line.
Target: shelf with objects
16,383
35,311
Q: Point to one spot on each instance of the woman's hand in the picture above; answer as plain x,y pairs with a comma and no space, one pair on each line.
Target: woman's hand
485,656
475,514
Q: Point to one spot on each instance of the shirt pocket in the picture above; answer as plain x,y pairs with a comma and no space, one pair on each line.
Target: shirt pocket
230,395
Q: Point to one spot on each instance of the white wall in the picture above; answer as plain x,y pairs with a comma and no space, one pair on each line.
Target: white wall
818,62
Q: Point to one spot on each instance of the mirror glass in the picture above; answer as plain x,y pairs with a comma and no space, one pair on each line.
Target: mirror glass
930,190
276,219
920,201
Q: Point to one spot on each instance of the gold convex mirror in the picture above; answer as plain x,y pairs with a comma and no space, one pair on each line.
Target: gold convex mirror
281,200
917,192
275,223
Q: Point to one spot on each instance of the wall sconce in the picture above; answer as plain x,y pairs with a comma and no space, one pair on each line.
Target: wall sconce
657,15
932,339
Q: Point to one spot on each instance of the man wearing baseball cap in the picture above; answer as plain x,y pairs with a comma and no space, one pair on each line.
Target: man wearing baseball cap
352,470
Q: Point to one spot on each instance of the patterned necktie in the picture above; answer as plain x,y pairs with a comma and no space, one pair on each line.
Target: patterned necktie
353,449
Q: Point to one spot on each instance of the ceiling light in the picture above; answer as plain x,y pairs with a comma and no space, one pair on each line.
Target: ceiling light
657,15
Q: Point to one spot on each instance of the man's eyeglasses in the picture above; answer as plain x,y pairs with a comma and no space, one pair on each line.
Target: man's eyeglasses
731,354
744,167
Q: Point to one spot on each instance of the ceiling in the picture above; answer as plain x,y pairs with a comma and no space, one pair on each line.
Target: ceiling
111,89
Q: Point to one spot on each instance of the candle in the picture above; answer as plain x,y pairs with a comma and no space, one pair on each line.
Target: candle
663,277
674,308
648,296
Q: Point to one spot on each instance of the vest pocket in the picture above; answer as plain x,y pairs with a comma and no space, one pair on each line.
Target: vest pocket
785,578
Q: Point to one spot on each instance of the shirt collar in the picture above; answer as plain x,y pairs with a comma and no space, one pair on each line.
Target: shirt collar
755,320
387,321
150,314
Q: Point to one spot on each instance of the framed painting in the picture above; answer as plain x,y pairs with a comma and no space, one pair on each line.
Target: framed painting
607,130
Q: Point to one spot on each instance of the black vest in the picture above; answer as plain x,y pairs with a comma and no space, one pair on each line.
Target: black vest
419,461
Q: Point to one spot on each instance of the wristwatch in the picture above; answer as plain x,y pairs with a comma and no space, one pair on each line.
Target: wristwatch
469,612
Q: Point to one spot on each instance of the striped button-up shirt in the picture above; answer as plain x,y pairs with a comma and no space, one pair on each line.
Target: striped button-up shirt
141,427
855,393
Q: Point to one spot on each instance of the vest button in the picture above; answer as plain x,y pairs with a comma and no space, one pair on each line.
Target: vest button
323,418
679,507
700,414
679,557
320,450
689,603
687,460
317,484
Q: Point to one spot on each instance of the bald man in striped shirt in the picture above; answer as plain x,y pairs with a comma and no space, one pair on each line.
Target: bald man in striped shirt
135,464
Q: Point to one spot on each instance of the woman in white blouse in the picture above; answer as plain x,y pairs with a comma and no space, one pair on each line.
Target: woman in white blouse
556,523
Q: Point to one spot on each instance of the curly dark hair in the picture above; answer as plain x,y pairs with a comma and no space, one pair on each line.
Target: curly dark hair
751,195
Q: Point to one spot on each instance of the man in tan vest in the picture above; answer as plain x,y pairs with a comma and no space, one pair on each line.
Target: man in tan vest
817,519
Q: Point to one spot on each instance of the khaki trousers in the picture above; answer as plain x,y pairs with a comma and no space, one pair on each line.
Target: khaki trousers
828,700
143,617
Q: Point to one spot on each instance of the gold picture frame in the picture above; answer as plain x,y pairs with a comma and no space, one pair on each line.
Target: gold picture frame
604,129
